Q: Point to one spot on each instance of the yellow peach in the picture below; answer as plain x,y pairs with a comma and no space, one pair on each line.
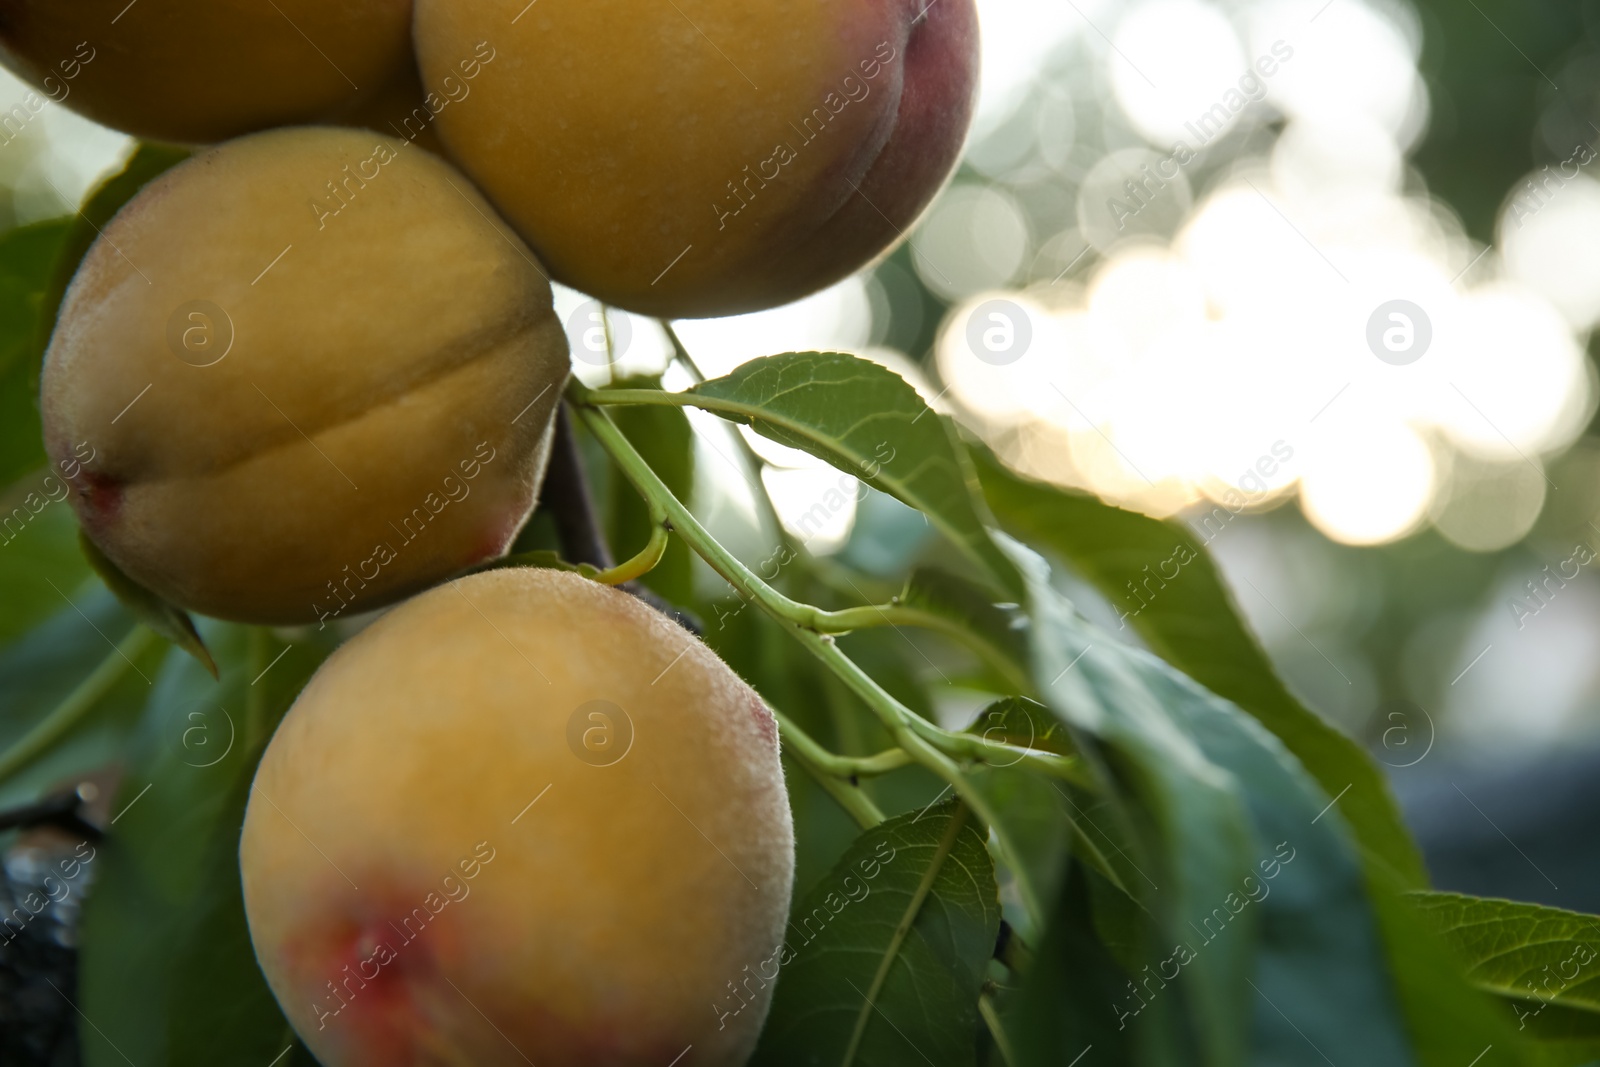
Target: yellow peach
706,157
204,70
302,374
522,818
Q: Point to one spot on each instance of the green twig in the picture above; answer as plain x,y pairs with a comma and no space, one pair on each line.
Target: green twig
659,497
893,613
753,464
808,625
850,798
664,398
829,771
843,621
1000,754
78,703
897,613
839,766
811,618
962,746
682,353
901,722
611,349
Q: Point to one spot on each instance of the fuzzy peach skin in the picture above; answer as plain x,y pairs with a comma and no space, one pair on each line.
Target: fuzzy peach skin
433,875
303,374
707,157
203,70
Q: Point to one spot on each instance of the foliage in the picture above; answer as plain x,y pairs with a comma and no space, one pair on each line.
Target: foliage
893,943
1142,845
166,964
1544,963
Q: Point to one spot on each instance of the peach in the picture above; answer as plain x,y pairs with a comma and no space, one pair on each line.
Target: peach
706,157
522,818
303,374
204,70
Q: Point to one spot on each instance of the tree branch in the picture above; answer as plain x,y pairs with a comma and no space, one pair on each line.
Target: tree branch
566,497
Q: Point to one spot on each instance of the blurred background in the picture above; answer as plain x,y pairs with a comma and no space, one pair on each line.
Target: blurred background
1316,277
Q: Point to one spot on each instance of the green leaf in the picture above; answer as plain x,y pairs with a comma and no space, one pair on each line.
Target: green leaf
1033,811
1039,814
1543,962
1451,1022
28,256
166,619
166,970
997,631
1187,616
1259,885
1058,1015
888,952
1024,723
47,668
1192,623
1560,1036
884,536
245,1024
39,557
867,421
